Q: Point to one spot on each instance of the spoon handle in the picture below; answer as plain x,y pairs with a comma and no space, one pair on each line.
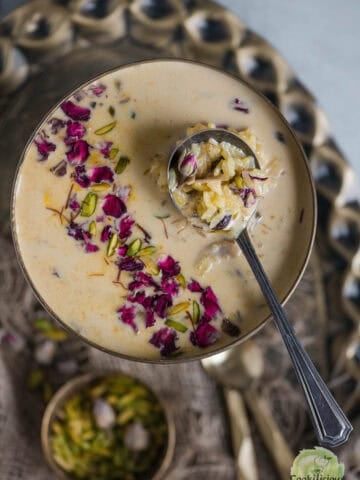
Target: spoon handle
331,426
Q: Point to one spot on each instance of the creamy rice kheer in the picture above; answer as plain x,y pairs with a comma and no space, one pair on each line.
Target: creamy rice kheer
104,247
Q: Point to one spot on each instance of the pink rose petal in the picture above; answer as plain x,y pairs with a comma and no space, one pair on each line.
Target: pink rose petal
44,147
80,176
210,303
113,206
106,233
101,174
169,286
75,112
125,226
168,266
204,335
127,316
194,286
78,153
164,339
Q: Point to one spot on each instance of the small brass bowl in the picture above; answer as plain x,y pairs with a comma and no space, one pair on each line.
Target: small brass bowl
77,384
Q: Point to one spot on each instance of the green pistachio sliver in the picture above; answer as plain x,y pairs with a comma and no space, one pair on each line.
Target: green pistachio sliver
134,247
105,129
179,307
146,251
92,228
176,325
181,279
112,244
151,266
113,152
43,324
195,311
88,206
122,164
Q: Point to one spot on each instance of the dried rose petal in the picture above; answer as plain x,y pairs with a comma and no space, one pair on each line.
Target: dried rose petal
113,206
74,131
164,339
141,280
44,147
75,231
101,174
169,286
74,205
106,233
247,195
104,148
188,165
127,316
122,250
80,176
130,264
97,89
149,317
90,247
56,124
240,106
168,266
75,112
161,304
139,298
210,303
194,286
125,226
78,153
204,335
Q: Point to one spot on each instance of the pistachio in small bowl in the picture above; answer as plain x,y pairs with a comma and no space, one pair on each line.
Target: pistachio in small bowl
104,426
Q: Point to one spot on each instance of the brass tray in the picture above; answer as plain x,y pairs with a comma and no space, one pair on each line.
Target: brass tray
47,48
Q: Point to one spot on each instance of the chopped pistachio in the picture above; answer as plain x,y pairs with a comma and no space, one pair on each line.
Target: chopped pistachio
195,311
88,206
179,307
151,266
134,247
176,325
122,164
92,228
89,449
144,252
106,128
181,279
100,187
112,244
113,152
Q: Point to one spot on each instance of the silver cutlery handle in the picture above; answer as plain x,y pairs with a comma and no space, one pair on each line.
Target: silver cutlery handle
331,426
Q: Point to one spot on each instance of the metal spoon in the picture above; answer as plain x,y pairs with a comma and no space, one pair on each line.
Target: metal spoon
242,367
331,426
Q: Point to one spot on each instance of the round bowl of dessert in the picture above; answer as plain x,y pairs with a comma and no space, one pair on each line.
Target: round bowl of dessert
104,247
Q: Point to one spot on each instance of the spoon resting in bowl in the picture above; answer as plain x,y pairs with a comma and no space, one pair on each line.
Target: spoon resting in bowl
331,426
